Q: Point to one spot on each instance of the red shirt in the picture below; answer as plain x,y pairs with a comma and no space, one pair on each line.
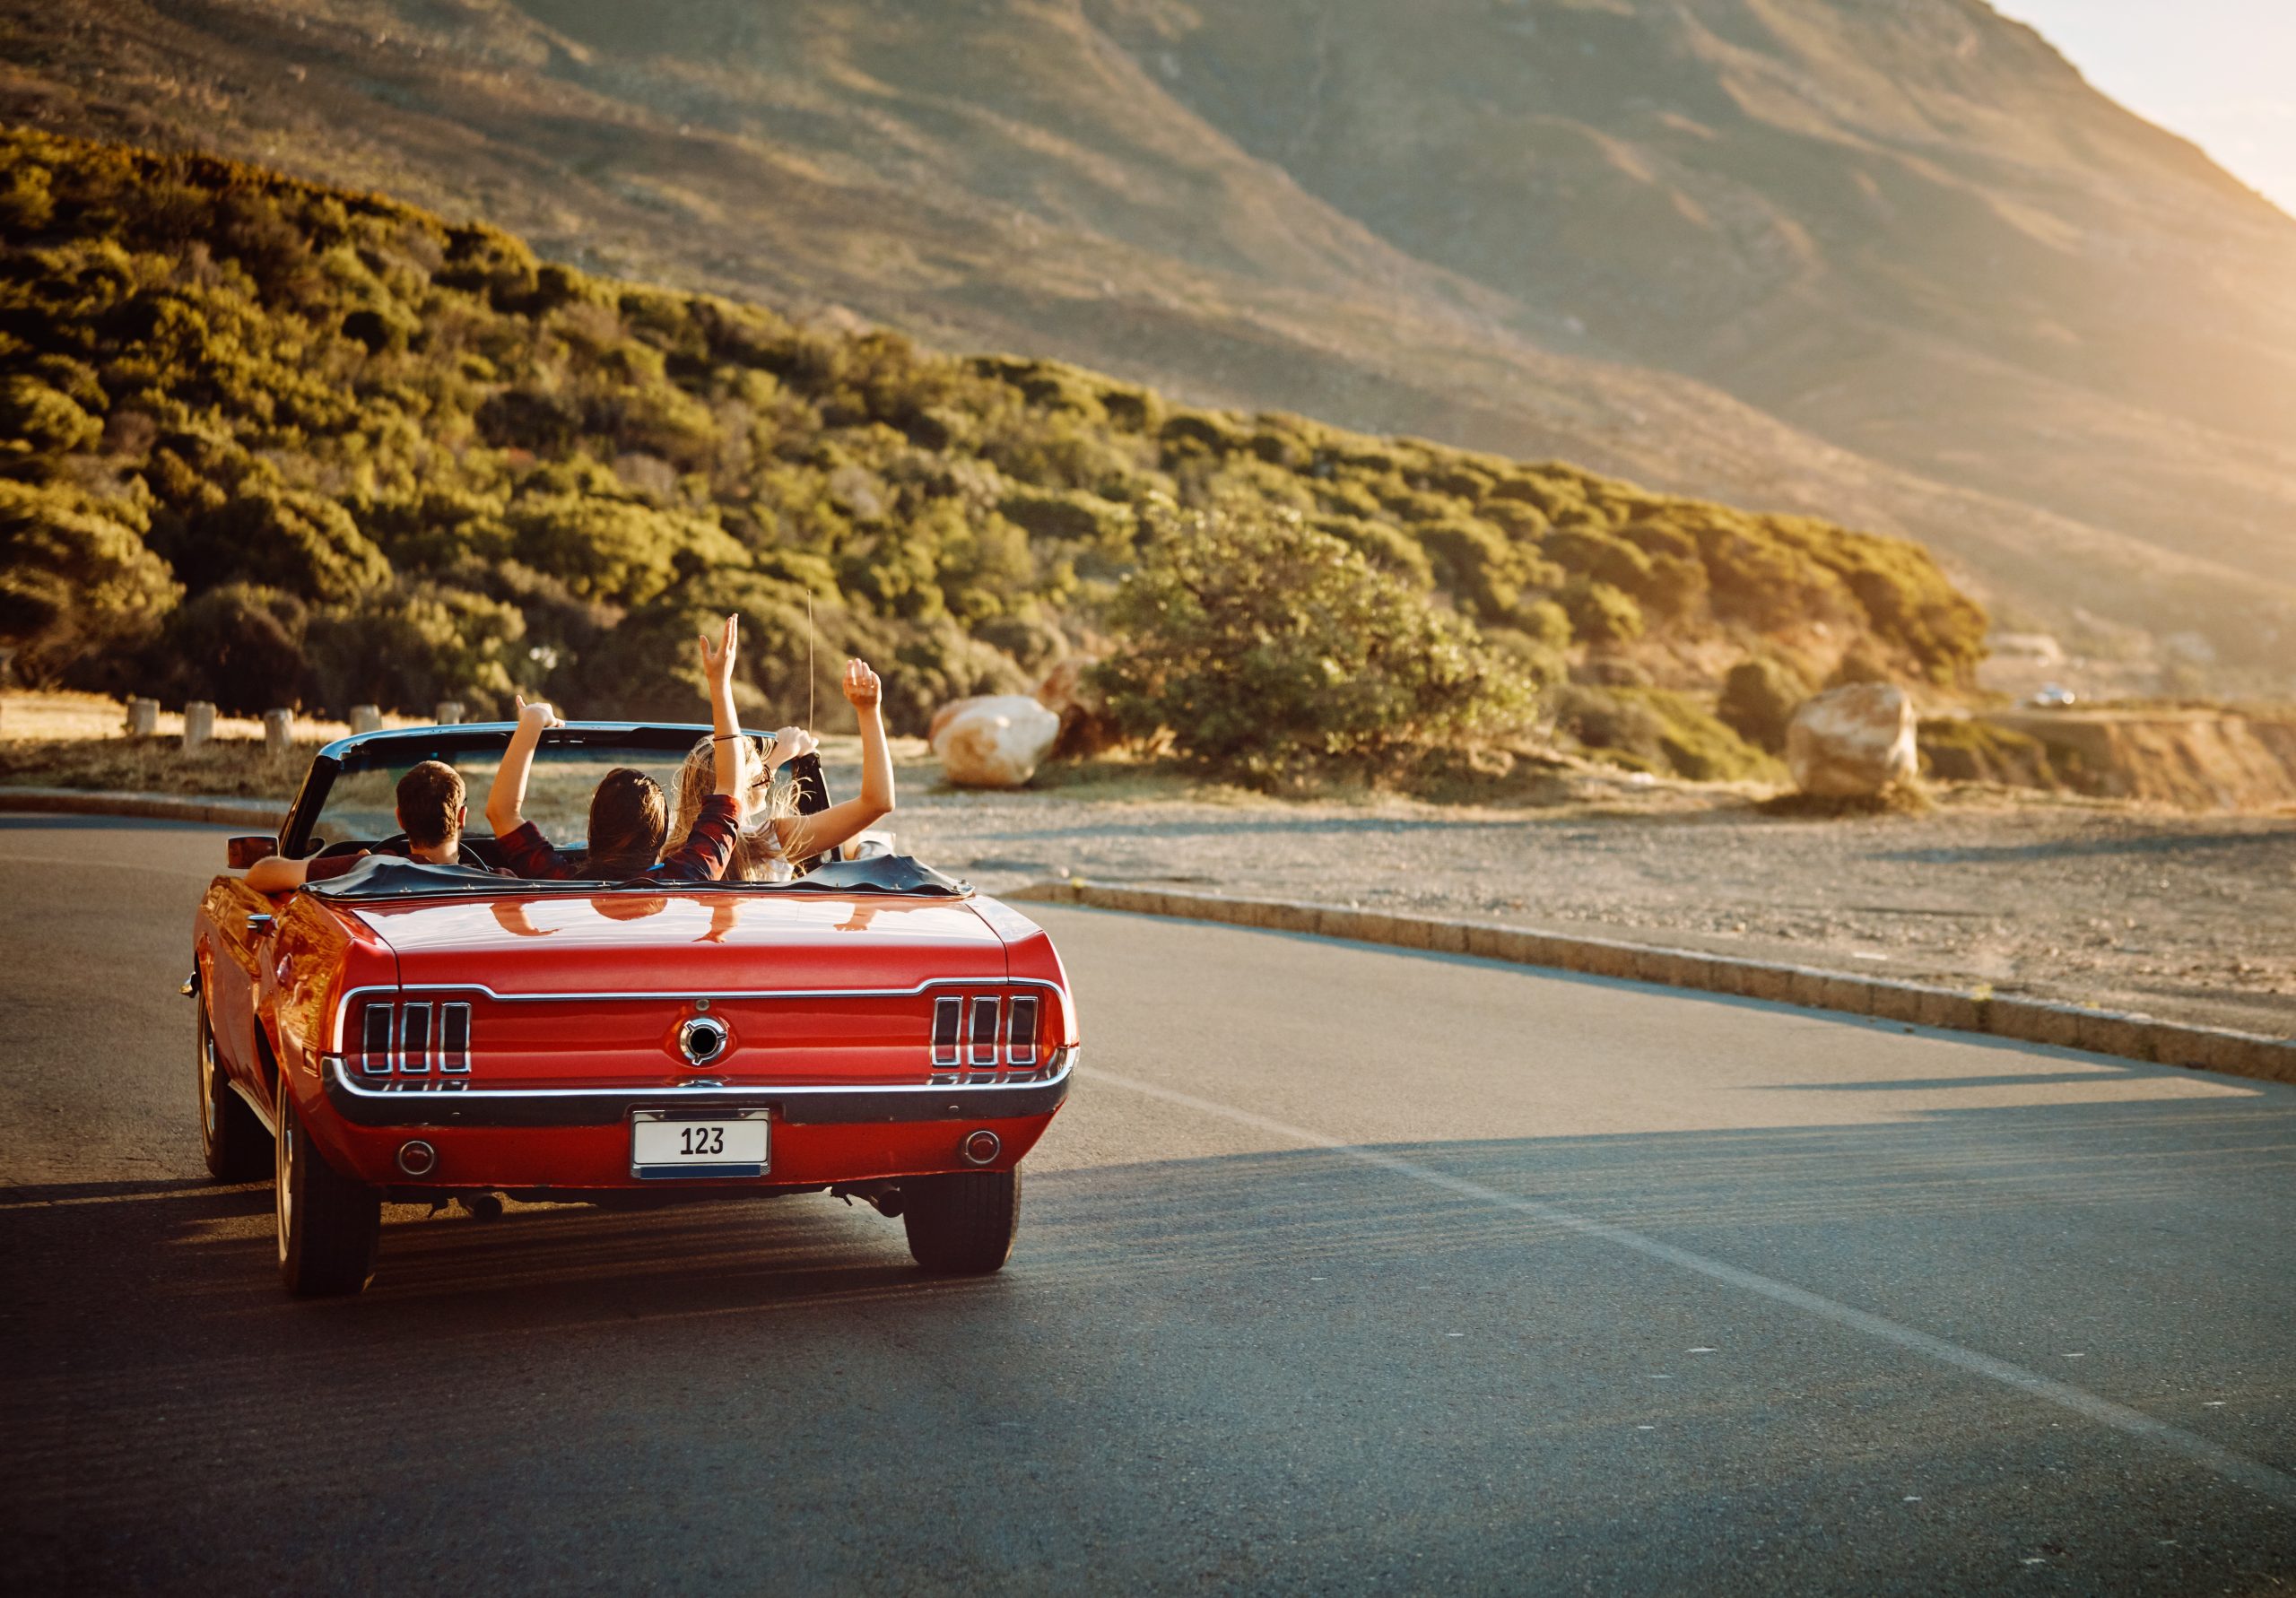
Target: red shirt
702,857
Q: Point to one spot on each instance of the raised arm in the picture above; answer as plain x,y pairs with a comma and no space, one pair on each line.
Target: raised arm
725,748
506,801
804,836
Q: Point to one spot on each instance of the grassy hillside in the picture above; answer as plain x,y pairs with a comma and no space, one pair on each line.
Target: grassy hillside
268,441
1950,290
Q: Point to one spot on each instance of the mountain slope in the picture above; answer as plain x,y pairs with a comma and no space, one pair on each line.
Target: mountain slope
1299,206
1909,227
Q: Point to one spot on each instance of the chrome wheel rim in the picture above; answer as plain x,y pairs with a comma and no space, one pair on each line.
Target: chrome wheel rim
207,1079
282,1168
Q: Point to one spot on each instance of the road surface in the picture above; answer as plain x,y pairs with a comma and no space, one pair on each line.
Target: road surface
1344,1270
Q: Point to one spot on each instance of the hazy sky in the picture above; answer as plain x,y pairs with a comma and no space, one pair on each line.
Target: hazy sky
2222,72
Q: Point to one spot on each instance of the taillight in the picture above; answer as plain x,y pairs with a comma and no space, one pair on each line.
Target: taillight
948,1030
1021,1031
375,1029
981,1033
412,1039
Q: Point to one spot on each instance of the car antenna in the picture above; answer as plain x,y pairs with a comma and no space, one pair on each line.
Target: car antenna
809,659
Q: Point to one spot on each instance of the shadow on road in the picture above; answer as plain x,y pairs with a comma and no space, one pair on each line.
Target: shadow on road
1258,1328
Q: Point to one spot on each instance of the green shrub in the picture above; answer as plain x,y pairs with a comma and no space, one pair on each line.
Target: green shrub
304,543
1965,749
1259,645
241,647
416,645
1759,699
77,586
1653,729
1600,613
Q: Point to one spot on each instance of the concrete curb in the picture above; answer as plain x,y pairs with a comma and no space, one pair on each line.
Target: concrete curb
2026,1021
160,807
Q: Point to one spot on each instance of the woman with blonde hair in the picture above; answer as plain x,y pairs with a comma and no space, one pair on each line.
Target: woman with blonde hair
772,832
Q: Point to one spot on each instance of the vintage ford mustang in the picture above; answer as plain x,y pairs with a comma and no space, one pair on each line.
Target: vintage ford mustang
416,1033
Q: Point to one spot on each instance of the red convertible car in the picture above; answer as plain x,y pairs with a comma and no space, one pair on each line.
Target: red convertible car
414,1033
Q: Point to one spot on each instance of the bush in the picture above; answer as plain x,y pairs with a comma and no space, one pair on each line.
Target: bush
1653,729
417,645
1261,644
1759,699
304,543
1963,749
240,646
1600,613
77,586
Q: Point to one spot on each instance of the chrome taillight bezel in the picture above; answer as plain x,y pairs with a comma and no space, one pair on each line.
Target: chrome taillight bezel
413,1039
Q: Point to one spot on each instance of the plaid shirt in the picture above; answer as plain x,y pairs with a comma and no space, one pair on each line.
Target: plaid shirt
702,857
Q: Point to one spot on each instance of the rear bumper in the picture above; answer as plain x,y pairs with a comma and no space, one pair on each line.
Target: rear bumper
366,1105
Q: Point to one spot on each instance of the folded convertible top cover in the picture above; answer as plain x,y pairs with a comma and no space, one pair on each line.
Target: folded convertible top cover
392,876
880,873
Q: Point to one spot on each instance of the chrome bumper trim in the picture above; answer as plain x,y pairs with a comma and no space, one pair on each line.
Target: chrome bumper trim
431,1104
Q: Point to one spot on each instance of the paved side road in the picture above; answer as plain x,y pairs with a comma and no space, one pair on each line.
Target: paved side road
1344,1270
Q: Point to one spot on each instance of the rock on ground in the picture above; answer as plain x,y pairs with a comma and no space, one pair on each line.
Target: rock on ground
994,742
1853,741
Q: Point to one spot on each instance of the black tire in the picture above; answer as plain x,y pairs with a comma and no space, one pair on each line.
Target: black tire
328,1223
236,1146
962,1225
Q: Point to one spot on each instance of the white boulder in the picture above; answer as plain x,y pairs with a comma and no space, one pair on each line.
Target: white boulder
1852,741
994,741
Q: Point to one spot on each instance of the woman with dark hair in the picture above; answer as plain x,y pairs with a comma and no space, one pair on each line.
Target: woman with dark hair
628,817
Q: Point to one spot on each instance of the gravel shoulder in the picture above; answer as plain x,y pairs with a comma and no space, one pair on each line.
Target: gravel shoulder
2188,918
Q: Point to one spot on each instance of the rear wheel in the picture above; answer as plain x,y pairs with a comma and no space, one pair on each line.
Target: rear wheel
962,1224
328,1223
234,1141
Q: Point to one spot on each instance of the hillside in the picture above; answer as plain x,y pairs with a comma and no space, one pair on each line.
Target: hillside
1894,265
263,441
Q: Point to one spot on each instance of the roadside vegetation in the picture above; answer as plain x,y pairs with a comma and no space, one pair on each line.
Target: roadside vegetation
268,443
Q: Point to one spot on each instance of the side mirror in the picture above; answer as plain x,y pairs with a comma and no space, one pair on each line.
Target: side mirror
244,852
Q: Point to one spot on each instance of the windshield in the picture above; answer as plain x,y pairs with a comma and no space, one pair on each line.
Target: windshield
361,806
362,802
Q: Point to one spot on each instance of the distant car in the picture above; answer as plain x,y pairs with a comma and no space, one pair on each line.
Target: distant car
2053,696
416,1033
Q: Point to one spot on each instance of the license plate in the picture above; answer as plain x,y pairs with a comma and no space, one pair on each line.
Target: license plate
664,1144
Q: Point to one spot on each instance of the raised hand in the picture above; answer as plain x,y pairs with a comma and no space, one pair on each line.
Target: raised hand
788,745
862,686
540,715
717,661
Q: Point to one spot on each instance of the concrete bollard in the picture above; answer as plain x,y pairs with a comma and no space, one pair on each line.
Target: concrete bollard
142,718
448,713
278,734
366,718
198,723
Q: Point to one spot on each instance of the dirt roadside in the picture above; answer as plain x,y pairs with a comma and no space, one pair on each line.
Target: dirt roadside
2188,918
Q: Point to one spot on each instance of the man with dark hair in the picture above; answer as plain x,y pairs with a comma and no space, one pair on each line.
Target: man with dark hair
431,810
629,816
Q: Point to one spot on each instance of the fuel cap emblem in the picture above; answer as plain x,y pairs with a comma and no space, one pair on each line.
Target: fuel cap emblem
701,1039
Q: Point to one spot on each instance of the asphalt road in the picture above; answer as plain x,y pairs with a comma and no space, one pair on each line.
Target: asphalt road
1343,1270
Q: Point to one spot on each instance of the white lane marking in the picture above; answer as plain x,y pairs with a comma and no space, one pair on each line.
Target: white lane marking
2257,1477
